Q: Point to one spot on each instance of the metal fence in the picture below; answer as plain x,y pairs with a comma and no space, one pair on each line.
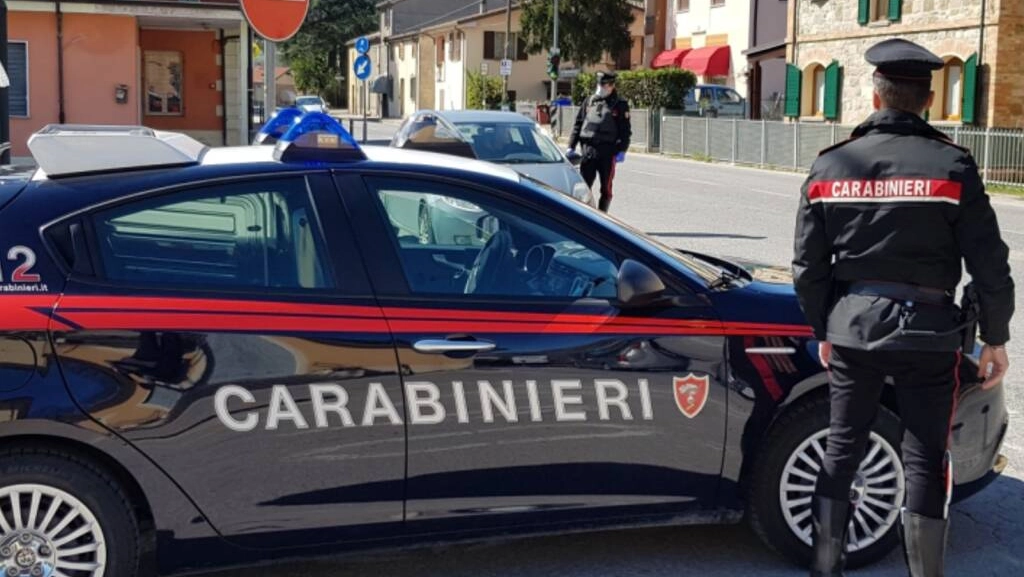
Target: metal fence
793,145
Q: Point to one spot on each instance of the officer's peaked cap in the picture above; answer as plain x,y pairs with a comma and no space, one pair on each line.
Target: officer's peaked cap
903,60
606,76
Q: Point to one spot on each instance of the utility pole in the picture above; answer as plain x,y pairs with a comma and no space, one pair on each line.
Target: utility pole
269,79
508,44
554,51
5,116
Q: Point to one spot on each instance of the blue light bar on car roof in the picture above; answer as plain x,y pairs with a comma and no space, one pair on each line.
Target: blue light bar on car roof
277,125
316,137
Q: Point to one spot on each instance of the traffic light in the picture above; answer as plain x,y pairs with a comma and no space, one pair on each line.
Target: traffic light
554,61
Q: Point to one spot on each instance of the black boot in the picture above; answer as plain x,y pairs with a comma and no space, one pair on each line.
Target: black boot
604,203
924,544
830,520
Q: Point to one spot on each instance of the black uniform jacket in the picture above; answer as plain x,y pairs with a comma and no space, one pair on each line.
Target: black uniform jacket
603,122
900,203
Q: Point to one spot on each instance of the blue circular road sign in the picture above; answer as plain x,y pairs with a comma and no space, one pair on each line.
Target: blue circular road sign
363,45
362,67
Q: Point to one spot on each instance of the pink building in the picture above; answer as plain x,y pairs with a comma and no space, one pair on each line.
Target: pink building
177,65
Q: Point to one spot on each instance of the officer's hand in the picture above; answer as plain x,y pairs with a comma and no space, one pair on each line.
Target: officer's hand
824,353
620,157
570,151
992,366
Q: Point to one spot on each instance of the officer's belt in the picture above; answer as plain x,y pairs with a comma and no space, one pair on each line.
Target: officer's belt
902,292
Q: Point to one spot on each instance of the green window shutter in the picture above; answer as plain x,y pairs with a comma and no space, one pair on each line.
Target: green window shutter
863,11
968,107
793,78
895,10
832,91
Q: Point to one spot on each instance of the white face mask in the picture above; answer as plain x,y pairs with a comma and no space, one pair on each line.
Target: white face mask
603,90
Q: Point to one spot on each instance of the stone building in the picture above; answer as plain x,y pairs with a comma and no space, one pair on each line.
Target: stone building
980,40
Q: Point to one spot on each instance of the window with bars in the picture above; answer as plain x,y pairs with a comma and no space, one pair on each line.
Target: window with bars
17,73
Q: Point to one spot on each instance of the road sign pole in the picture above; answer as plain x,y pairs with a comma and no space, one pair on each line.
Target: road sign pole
269,78
366,105
554,50
5,118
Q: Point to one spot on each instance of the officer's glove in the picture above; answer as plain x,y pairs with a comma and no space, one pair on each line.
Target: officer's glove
992,365
570,151
620,157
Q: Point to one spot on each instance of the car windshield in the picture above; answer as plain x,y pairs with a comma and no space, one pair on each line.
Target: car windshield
707,271
307,100
510,142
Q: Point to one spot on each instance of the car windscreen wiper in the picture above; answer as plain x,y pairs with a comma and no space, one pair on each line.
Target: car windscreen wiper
725,279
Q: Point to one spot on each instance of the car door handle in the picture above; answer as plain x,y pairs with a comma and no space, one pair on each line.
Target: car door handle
450,346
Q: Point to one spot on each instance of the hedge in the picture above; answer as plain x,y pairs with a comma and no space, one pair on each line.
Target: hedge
651,89
484,92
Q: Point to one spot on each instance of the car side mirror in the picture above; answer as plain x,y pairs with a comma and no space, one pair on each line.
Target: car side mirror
638,285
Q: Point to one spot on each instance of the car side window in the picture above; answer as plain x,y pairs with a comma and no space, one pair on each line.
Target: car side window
455,241
729,96
258,234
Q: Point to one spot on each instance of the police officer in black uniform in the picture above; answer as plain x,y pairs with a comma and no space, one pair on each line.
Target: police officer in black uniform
884,221
603,128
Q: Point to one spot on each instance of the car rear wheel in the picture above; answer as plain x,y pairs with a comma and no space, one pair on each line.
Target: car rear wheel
63,516
782,485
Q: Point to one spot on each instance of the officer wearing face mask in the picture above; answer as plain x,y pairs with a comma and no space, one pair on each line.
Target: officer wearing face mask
603,129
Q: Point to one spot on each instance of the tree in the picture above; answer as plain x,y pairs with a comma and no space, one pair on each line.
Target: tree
317,52
587,29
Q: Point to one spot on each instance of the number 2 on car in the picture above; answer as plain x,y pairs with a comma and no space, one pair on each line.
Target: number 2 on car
27,259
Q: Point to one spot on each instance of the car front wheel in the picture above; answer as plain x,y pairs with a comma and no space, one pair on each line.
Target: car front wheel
782,486
62,516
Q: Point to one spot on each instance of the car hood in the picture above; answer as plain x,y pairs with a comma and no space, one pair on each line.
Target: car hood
558,175
769,298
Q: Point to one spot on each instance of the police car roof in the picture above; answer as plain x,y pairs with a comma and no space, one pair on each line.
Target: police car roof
240,155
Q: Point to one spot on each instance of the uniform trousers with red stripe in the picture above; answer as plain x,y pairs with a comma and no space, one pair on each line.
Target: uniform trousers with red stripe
926,385
599,160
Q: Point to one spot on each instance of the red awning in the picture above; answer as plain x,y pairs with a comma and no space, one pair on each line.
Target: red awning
669,58
707,61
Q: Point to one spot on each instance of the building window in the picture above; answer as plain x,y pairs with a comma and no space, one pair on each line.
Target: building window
682,5
455,43
163,78
17,72
494,46
869,11
819,92
812,101
879,10
717,3
951,90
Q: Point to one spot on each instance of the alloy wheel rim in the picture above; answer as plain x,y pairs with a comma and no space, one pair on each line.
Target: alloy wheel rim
877,491
47,532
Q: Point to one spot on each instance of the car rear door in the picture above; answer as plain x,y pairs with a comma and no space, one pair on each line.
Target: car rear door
531,395
228,331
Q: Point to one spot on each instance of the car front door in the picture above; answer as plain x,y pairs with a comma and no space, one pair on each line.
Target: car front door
229,333
532,393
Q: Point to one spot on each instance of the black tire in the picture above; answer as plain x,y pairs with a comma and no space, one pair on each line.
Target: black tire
94,488
764,502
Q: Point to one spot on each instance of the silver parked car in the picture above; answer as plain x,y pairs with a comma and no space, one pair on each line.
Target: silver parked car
504,138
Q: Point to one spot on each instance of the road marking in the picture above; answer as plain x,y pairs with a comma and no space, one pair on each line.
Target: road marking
677,177
773,193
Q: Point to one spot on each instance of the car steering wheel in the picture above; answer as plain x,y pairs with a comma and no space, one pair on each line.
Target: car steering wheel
492,264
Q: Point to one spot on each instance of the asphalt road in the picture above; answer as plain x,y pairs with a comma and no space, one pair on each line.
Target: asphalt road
726,211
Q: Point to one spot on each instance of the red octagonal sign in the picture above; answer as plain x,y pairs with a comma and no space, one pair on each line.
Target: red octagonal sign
275,20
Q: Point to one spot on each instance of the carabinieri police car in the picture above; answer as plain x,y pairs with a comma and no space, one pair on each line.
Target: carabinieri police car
215,356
